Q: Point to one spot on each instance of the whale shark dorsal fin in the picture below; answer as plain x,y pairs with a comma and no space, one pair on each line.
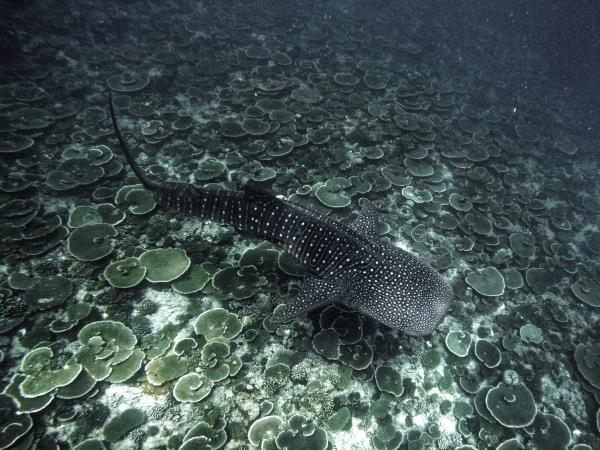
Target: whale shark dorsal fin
366,222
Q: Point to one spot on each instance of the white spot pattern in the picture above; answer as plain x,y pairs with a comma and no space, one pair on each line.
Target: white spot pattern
346,264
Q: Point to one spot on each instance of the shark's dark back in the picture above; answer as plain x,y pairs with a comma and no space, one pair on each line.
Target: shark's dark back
326,247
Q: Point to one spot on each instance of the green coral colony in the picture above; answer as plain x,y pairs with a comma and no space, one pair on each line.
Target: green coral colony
126,325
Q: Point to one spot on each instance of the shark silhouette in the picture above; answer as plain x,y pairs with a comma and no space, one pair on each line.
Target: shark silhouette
346,264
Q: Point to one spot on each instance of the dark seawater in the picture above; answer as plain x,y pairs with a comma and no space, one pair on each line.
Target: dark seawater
471,127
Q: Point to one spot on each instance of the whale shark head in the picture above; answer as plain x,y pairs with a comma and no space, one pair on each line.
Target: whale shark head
401,291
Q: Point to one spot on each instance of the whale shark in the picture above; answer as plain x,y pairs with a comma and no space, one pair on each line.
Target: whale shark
346,264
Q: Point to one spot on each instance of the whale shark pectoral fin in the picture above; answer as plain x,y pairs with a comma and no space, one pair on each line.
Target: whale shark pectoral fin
315,292
366,222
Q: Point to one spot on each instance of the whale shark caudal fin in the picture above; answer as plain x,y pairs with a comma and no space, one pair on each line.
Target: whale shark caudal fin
146,181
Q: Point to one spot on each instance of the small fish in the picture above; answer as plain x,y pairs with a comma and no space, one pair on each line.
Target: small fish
346,264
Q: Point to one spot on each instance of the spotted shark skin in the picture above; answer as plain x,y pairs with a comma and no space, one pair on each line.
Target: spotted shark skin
346,264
